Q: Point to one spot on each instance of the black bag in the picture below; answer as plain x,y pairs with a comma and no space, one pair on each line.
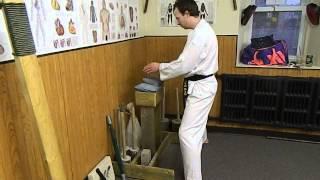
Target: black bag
262,42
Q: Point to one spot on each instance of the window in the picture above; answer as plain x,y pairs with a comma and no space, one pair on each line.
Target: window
263,3
282,18
283,25
279,16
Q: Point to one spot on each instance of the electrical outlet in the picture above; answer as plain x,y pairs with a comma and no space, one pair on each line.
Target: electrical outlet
102,171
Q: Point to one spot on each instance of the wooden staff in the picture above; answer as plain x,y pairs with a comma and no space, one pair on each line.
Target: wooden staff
30,76
178,105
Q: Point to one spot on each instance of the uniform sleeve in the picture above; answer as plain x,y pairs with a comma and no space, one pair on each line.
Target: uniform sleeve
187,61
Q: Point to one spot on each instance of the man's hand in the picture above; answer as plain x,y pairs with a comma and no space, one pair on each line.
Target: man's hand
151,68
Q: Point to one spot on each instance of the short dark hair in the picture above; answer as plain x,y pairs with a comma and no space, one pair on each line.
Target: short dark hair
187,5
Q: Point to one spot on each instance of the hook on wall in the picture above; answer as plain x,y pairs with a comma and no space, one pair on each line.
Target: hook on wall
145,6
235,7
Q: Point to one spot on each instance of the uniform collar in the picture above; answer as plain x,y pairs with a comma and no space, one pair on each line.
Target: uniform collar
200,23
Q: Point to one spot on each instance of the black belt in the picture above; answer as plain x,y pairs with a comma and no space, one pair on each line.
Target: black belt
185,85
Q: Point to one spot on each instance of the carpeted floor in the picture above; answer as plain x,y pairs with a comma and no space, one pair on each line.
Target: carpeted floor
246,157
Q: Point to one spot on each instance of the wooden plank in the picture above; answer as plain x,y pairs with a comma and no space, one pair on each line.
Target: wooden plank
29,73
32,87
151,99
150,126
136,159
167,140
145,172
51,76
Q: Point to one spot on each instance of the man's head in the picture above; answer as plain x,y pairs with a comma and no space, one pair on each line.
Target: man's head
186,13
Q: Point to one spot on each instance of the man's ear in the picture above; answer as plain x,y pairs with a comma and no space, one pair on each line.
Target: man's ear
187,13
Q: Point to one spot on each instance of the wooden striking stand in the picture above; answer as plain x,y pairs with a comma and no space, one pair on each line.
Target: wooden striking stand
150,114
134,170
150,108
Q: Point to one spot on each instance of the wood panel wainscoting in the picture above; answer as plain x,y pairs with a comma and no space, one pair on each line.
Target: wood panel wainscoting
82,87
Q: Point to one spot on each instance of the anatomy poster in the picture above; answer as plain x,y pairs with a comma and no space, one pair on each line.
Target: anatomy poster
90,22
106,10
113,21
167,17
59,25
133,18
207,11
54,24
5,47
123,19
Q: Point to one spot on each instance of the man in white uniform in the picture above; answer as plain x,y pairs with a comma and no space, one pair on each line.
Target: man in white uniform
198,62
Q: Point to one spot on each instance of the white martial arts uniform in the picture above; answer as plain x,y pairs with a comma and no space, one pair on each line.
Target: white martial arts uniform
199,57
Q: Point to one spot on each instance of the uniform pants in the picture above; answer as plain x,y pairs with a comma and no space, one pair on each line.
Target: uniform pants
192,134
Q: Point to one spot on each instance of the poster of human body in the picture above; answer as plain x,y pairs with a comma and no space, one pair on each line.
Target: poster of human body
133,18
59,25
167,17
122,18
90,22
54,24
113,25
105,21
207,11
5,47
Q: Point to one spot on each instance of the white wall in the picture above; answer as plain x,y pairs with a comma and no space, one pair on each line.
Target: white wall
244,31
313,44
313,41
227,20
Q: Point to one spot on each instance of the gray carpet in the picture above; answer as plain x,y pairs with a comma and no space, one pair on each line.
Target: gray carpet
246,157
